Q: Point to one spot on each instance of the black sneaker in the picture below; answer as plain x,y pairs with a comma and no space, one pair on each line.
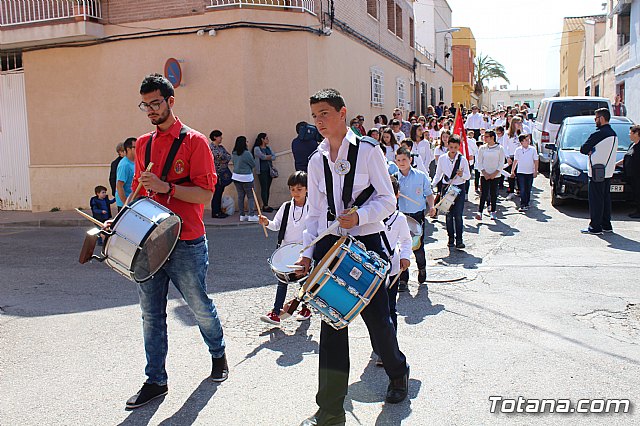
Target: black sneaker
590,231
219,369
460,245
403,286
147,393
450,243
422,275
267,209
219,215
324,418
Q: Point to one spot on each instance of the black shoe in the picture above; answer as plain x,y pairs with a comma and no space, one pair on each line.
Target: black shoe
422,275
219,369
460,245
219,215
403,286
635,215
267,209
323,418
398,389
147,393
590,231
450,243
607,231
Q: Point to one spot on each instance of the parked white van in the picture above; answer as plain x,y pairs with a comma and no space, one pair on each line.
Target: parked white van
552,111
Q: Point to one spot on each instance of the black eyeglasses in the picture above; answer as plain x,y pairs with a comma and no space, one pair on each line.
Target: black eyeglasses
153,105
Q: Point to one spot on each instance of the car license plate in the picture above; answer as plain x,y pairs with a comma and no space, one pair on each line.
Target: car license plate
617,188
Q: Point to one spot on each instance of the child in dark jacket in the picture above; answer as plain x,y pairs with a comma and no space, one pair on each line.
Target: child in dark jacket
100,206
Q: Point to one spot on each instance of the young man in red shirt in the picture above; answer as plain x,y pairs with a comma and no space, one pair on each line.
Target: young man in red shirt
188,186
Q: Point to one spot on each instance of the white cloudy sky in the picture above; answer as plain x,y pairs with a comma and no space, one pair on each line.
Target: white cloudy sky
524,36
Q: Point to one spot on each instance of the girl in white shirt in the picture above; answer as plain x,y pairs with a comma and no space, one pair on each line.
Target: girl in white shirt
512,142
389,144
441,145
421,146
433,129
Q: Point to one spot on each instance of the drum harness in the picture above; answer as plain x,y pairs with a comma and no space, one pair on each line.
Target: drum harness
285,219
347,190
177,142
440,184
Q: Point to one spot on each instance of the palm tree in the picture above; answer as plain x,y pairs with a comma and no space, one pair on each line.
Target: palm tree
487,68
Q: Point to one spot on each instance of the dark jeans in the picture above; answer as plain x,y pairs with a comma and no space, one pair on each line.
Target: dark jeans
525,183
334,344
281,295
421,260
454,217
476,179
265,185
600,205
635,186
392,294
216,201
489,193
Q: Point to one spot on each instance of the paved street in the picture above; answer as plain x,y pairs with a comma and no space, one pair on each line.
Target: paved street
544,312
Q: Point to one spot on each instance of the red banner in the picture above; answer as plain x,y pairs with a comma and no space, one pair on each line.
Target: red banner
458,129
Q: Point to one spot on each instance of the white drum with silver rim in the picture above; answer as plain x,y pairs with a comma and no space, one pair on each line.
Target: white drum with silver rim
448,199
142,237
282,261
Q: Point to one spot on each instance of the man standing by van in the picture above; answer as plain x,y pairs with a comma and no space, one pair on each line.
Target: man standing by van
601,147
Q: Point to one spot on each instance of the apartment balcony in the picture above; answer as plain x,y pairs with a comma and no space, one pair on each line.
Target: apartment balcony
292,5
25,23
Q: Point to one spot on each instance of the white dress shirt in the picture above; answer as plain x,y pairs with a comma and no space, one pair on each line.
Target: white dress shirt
500,122
371,169
526,159
474,121
295,223
397,231
445,167
510,145
424,149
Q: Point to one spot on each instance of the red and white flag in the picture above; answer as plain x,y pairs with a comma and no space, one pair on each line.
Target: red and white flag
458,129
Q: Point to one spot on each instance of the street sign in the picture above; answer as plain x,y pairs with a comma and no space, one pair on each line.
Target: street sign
173,71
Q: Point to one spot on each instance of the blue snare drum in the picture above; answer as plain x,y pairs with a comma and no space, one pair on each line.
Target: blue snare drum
344,281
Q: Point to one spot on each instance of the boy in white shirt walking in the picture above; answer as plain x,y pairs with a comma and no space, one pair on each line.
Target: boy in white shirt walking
525,162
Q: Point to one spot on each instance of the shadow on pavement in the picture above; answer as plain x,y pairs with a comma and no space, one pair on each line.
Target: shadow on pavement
188,413
461,258
372,388
416,308
292,347
619,242
143,415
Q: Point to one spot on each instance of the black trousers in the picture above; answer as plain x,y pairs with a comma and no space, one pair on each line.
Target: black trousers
333,380
635,187
489,188
600,205
216,201
421,260
265,186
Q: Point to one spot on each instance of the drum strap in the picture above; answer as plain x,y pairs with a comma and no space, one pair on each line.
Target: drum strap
347,190
456,166
170,156
283,224
385,240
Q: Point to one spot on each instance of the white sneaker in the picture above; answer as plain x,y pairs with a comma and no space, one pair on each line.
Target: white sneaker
253,218
244,218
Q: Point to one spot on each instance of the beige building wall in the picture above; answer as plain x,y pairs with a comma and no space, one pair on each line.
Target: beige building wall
83,101
570,52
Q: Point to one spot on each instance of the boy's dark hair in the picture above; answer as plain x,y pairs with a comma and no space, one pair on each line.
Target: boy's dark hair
98,189
404,151
154,82
500,128
215,134
297,178
128,144
522,137
408,142
604,113
395,122
330,96
395,184
454,139
241,145
491,133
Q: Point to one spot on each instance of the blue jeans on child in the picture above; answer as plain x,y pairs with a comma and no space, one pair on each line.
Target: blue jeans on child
187,269
525,183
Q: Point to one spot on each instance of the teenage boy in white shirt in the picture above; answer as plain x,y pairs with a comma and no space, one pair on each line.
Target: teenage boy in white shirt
525,161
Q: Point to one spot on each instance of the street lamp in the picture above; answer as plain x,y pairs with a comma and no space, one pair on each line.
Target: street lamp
449,31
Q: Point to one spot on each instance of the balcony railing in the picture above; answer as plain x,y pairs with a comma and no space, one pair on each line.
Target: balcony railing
420,48
19,12
301,5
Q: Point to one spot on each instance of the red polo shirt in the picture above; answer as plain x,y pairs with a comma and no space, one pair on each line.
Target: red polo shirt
193,160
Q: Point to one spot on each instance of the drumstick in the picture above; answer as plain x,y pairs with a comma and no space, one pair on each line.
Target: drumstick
327,231
394,281
295,266
91,218
135,194
255,198
409,198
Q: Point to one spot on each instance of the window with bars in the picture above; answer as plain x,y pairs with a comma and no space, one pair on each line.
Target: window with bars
401,86
372,8
433,97
10,61
377,87
423,98
391,15
398,21
441,89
